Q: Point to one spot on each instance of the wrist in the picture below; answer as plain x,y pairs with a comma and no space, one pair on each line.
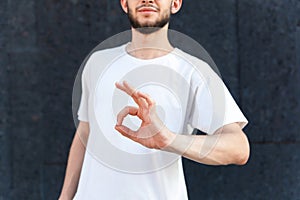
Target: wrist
167,138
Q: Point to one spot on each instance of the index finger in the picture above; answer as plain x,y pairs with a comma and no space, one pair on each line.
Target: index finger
125,87
128,89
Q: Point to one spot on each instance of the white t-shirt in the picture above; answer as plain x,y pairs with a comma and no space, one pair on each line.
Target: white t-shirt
187,93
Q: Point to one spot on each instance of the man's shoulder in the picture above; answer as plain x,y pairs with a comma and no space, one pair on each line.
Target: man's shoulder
102,56
106,53
202,63
190,58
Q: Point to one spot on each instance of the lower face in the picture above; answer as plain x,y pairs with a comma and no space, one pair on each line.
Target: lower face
148,23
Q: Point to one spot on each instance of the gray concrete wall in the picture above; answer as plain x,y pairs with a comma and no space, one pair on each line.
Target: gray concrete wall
255,44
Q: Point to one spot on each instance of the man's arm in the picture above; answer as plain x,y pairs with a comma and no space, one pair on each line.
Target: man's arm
75,161
228,145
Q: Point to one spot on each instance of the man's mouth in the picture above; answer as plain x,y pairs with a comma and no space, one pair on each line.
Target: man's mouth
147,9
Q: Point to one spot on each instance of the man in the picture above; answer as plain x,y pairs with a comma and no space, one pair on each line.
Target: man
107,175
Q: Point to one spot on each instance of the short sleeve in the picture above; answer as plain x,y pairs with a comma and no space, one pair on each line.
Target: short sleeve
83,107
212,104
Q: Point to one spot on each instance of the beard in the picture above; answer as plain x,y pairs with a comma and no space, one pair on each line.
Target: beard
149,27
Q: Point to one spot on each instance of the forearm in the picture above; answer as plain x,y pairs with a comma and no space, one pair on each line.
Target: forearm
73,169
226,146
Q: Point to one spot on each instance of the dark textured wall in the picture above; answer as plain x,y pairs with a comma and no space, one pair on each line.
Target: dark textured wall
4,97
256,45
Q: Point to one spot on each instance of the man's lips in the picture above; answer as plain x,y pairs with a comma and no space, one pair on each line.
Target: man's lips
147,10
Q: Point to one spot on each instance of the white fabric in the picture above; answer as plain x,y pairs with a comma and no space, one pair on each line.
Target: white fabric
206,105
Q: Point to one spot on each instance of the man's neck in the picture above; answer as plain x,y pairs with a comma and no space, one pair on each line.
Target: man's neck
149,46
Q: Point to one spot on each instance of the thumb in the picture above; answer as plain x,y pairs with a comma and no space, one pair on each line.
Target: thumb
125,131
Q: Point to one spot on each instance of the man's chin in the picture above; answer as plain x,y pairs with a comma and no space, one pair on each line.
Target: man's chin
148,30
